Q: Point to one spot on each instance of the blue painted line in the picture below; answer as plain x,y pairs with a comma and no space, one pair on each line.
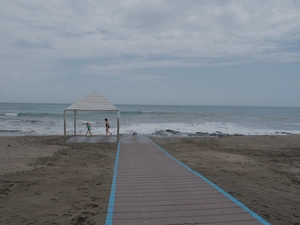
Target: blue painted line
110,210
219,189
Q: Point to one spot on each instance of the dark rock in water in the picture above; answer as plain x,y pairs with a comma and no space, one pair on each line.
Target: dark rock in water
283,133
160,133
173,131
219,134
202,134
170,133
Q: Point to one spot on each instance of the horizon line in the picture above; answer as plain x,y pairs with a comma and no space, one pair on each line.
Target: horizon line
136,104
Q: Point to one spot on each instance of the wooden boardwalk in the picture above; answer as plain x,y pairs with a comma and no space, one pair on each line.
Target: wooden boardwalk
150,187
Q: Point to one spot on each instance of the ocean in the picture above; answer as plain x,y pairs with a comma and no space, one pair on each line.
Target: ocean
21,119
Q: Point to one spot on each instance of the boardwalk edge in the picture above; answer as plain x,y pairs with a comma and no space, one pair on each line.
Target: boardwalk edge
110,209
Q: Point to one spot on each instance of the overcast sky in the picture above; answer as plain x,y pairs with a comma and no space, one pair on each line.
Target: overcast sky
200,52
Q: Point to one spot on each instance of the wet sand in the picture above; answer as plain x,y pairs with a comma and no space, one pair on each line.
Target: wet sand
44,181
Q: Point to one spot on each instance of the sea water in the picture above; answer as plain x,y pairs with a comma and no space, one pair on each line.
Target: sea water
48,119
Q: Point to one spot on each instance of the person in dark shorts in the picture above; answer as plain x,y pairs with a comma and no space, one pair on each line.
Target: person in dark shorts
107,126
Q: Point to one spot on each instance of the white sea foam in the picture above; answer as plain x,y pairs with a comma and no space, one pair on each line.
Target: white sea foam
11,114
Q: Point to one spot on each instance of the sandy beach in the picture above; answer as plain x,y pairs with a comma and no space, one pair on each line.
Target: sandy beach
262,172
44,181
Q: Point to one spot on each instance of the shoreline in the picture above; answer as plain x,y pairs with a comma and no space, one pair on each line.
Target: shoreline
43,180
159,133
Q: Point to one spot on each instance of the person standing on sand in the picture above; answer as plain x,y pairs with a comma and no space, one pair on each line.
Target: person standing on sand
107,126
88,127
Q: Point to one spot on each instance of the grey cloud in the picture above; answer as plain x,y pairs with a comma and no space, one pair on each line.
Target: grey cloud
28,44
157,33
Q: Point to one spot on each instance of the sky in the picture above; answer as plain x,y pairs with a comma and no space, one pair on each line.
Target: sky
176,52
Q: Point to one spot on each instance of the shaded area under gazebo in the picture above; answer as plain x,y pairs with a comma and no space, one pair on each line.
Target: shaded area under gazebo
92,139
92,102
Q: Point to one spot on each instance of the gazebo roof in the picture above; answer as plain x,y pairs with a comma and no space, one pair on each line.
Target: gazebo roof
92,102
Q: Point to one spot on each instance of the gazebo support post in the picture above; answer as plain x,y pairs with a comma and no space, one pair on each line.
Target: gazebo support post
75,115
118,128
65,126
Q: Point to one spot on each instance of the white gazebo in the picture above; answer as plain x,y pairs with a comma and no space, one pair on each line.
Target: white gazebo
91,102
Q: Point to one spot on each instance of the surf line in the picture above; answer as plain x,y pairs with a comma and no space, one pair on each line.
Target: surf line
110,210
260,219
